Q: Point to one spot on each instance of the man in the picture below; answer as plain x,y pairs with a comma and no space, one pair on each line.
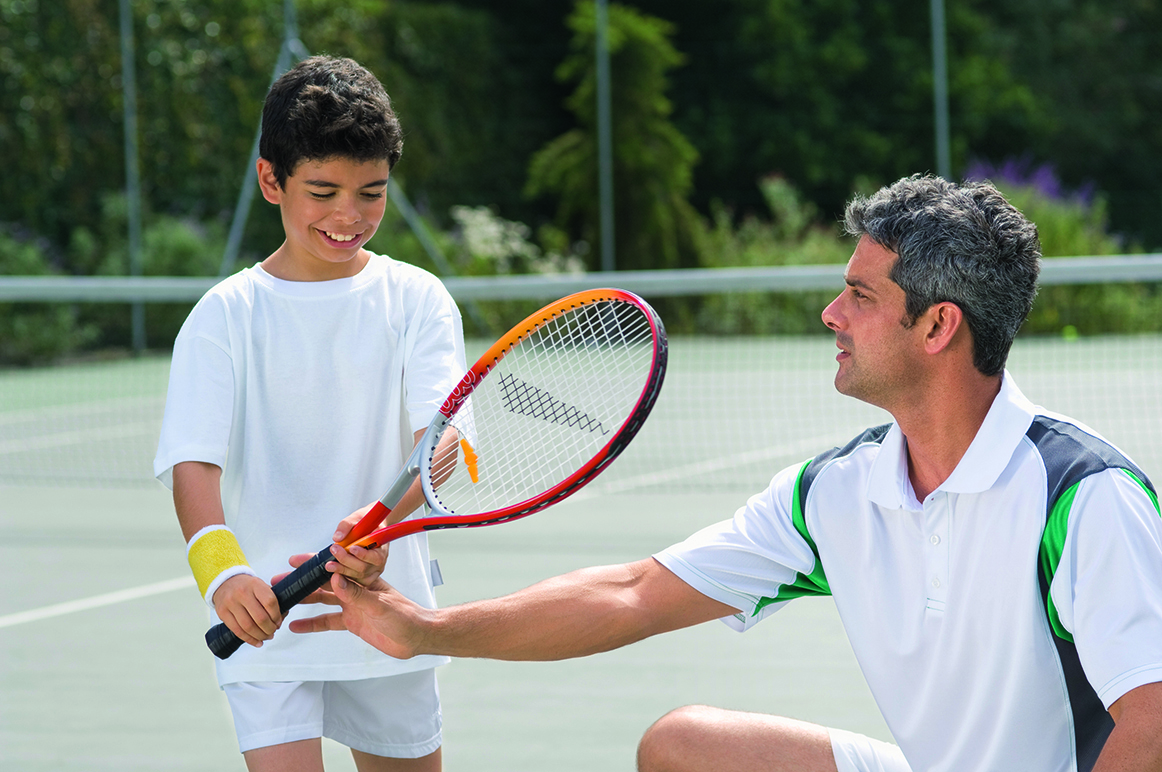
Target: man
998,569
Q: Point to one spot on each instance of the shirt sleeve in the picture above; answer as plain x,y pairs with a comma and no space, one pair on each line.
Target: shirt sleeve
743,562
1108,585
435,356
199,404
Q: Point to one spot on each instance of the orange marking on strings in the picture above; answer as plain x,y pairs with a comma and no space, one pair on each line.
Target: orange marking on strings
471,460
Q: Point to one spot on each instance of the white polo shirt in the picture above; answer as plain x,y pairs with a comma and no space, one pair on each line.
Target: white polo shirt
989,640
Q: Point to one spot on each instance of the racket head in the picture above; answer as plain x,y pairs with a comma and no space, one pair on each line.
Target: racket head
545,410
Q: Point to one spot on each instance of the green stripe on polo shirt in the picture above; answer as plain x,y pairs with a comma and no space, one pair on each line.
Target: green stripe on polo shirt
814,583
1053,543
1149,493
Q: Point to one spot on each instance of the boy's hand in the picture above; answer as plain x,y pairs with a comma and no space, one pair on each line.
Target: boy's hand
248,607
357,563
360,565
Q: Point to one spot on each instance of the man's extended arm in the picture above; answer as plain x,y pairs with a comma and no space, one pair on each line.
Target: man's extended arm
574,615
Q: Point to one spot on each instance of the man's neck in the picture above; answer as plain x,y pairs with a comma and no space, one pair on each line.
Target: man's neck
940,428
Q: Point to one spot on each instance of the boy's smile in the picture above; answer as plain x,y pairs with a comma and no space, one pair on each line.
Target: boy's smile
330,209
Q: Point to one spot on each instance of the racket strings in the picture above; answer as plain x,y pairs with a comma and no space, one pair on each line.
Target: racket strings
546,409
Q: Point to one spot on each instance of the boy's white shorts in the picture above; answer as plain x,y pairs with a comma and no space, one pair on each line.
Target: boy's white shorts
397,716
857,753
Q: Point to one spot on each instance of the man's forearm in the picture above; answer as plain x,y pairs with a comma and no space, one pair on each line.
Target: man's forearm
581,613
574,615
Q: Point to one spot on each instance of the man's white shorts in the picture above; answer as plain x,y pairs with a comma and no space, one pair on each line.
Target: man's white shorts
856,753
398,716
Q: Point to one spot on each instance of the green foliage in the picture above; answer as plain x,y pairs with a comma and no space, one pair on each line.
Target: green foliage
171,246
825,92
833,95
1094,68
653,163
35,332
1068,226
790,235
1073,227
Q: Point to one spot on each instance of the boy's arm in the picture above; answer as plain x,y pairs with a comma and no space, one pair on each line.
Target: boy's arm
244,602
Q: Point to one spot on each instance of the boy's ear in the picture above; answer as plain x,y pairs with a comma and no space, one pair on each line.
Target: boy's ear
268,183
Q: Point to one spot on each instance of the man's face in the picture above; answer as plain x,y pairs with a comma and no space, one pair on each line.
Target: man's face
879,356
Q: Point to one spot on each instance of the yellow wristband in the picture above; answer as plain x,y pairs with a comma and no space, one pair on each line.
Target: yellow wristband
215,555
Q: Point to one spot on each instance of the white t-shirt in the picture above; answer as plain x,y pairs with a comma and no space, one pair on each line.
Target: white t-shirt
943,600
308,394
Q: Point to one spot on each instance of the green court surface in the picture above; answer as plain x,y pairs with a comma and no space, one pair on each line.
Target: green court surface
130,685
124,682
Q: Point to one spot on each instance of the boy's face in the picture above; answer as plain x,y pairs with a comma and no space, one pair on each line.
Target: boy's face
330,210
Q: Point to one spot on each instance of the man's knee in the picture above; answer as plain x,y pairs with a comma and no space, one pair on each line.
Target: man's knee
700,738
673,742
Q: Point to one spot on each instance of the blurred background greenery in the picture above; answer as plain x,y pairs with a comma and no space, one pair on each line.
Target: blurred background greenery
739,132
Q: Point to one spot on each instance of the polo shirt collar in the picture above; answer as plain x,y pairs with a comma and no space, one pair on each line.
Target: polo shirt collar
987,456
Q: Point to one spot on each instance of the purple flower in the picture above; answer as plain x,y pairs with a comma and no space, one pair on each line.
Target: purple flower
1024,173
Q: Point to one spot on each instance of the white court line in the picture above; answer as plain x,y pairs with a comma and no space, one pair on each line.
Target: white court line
108,599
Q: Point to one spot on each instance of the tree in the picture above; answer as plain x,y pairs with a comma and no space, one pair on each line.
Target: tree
655,225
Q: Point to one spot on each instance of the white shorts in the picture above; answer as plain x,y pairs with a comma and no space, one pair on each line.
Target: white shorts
398,716
856,753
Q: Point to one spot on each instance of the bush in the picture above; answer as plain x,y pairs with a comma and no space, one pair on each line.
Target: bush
1074,224
170,246
793,236
31,333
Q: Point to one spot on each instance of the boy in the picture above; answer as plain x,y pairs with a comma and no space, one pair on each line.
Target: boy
297,389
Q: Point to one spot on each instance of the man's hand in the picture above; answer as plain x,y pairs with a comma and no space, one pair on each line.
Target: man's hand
376,613
248,607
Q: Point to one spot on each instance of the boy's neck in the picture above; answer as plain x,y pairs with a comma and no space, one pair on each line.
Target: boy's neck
282,265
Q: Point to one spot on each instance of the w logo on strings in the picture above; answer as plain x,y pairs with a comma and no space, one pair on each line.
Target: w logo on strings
525,399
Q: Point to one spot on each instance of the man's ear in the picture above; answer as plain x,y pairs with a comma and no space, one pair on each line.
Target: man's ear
268,183
942,321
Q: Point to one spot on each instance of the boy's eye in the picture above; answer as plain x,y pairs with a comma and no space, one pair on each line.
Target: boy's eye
322,196
373,196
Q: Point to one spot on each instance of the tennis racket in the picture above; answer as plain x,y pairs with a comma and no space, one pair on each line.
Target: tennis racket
541,414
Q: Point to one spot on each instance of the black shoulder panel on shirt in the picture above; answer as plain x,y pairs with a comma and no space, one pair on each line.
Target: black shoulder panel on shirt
1070,455
874,435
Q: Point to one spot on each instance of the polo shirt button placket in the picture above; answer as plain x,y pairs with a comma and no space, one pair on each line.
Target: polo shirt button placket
936,517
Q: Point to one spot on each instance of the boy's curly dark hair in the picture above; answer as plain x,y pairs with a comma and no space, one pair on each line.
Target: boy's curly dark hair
327,107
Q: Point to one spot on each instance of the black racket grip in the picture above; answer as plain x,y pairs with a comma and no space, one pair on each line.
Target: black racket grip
295,586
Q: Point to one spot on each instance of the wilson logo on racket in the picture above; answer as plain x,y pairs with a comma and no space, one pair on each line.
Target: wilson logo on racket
523,398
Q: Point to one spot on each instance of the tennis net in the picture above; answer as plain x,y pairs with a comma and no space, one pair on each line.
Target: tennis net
734,408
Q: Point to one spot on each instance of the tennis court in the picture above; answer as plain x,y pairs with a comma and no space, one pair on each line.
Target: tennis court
121,679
